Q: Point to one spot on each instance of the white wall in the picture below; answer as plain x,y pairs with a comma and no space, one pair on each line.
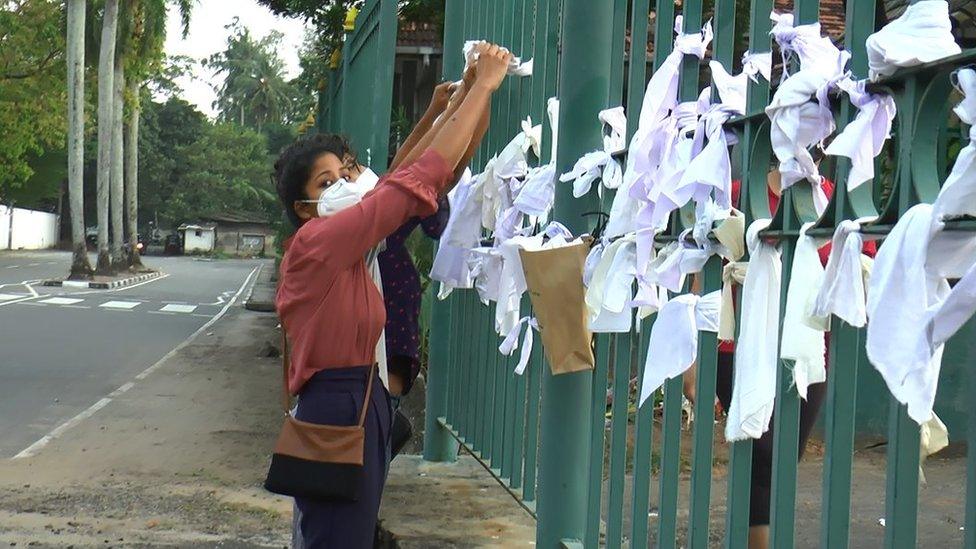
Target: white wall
203,243
32,230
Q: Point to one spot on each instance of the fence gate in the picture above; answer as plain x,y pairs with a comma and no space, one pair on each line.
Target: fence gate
550,440
358,99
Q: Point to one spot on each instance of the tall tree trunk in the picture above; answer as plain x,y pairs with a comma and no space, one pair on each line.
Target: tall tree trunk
119,259
80,266
132,175
106,112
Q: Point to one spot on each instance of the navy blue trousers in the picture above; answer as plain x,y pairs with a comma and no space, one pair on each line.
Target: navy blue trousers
335,397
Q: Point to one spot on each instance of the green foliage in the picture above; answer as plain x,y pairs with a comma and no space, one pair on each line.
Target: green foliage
191,167
254,91
33,94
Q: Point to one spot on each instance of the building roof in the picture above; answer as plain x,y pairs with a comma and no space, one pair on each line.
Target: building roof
197,227
419,35
238,217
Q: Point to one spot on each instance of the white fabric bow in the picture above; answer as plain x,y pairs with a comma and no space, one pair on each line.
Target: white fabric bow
533,137
920,35
958,194
863,139
732,89
673,345
754,387
609,291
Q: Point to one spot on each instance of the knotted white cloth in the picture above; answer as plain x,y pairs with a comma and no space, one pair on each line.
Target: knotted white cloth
609,291
842,292
920,35
801,343
754,386
673,345
863,139
958,194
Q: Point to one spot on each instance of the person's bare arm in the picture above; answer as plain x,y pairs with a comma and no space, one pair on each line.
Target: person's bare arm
457,134
455,103
438,104
479,134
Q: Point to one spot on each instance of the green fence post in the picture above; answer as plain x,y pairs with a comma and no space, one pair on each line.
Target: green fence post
439,445
970,542
566,404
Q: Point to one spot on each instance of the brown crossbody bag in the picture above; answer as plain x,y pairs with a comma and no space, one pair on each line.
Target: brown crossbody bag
310,460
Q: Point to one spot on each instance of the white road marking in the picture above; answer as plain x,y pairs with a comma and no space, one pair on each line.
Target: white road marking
127,305
13,266
5,297
34,265
76,306
123,288
61,301
174,308
160,313
61,429
21,300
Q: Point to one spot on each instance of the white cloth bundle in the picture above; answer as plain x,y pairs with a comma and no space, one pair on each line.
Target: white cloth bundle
801,343
486,267
732,89
609,291
921,35
863,139
463,232
911,309
515,67
842,292
673,345
754,385
958,194
616,121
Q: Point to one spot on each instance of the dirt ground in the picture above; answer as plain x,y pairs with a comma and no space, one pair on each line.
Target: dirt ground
178,460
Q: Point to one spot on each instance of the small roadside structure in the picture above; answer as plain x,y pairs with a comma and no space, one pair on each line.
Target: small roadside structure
198,237
239,234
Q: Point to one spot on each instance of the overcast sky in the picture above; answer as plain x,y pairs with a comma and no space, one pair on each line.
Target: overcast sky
208,36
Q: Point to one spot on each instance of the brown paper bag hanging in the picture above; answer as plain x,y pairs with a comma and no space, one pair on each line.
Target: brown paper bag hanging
555,283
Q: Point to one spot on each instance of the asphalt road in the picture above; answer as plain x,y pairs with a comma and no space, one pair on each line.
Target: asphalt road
62,350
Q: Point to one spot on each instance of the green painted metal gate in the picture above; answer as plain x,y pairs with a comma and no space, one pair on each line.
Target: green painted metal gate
358,99
548,439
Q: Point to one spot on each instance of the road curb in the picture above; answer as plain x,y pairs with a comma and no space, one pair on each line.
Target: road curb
260,297
104,285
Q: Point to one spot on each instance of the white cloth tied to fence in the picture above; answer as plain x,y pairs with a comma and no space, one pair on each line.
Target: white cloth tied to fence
732,89
673,345
510,343
909,294
533,137
734,273
450,266
863,139
797,123
754,387
802,343
538,192
511,283
515,67
485,264
675,262
609,290
920,35
907,290
614,119
958,194
842,292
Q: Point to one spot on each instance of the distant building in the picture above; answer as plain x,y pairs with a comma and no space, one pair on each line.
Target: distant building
198,237
244,235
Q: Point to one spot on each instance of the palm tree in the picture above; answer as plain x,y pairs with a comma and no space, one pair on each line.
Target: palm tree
143,30
106,113
80,266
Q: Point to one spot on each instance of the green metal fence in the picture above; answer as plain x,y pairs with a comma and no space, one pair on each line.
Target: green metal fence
547,438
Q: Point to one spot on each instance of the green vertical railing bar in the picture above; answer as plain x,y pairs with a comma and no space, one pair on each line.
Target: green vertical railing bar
844,354
625,350
486,421
566,403
704,429
534,373
383,60
439,445
841,404
464,398
901,509
481,388
618,34
605,353
644,418
970,520
786,417
644,431
753,152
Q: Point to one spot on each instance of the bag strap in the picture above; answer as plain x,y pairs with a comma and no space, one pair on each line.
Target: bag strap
285,396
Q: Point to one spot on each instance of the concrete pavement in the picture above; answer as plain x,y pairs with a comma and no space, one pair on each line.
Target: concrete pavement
66,350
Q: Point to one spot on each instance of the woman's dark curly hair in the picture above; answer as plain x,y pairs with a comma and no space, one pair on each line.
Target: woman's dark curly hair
291,170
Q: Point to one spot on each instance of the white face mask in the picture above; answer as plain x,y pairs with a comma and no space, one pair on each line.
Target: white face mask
367,180
339,196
